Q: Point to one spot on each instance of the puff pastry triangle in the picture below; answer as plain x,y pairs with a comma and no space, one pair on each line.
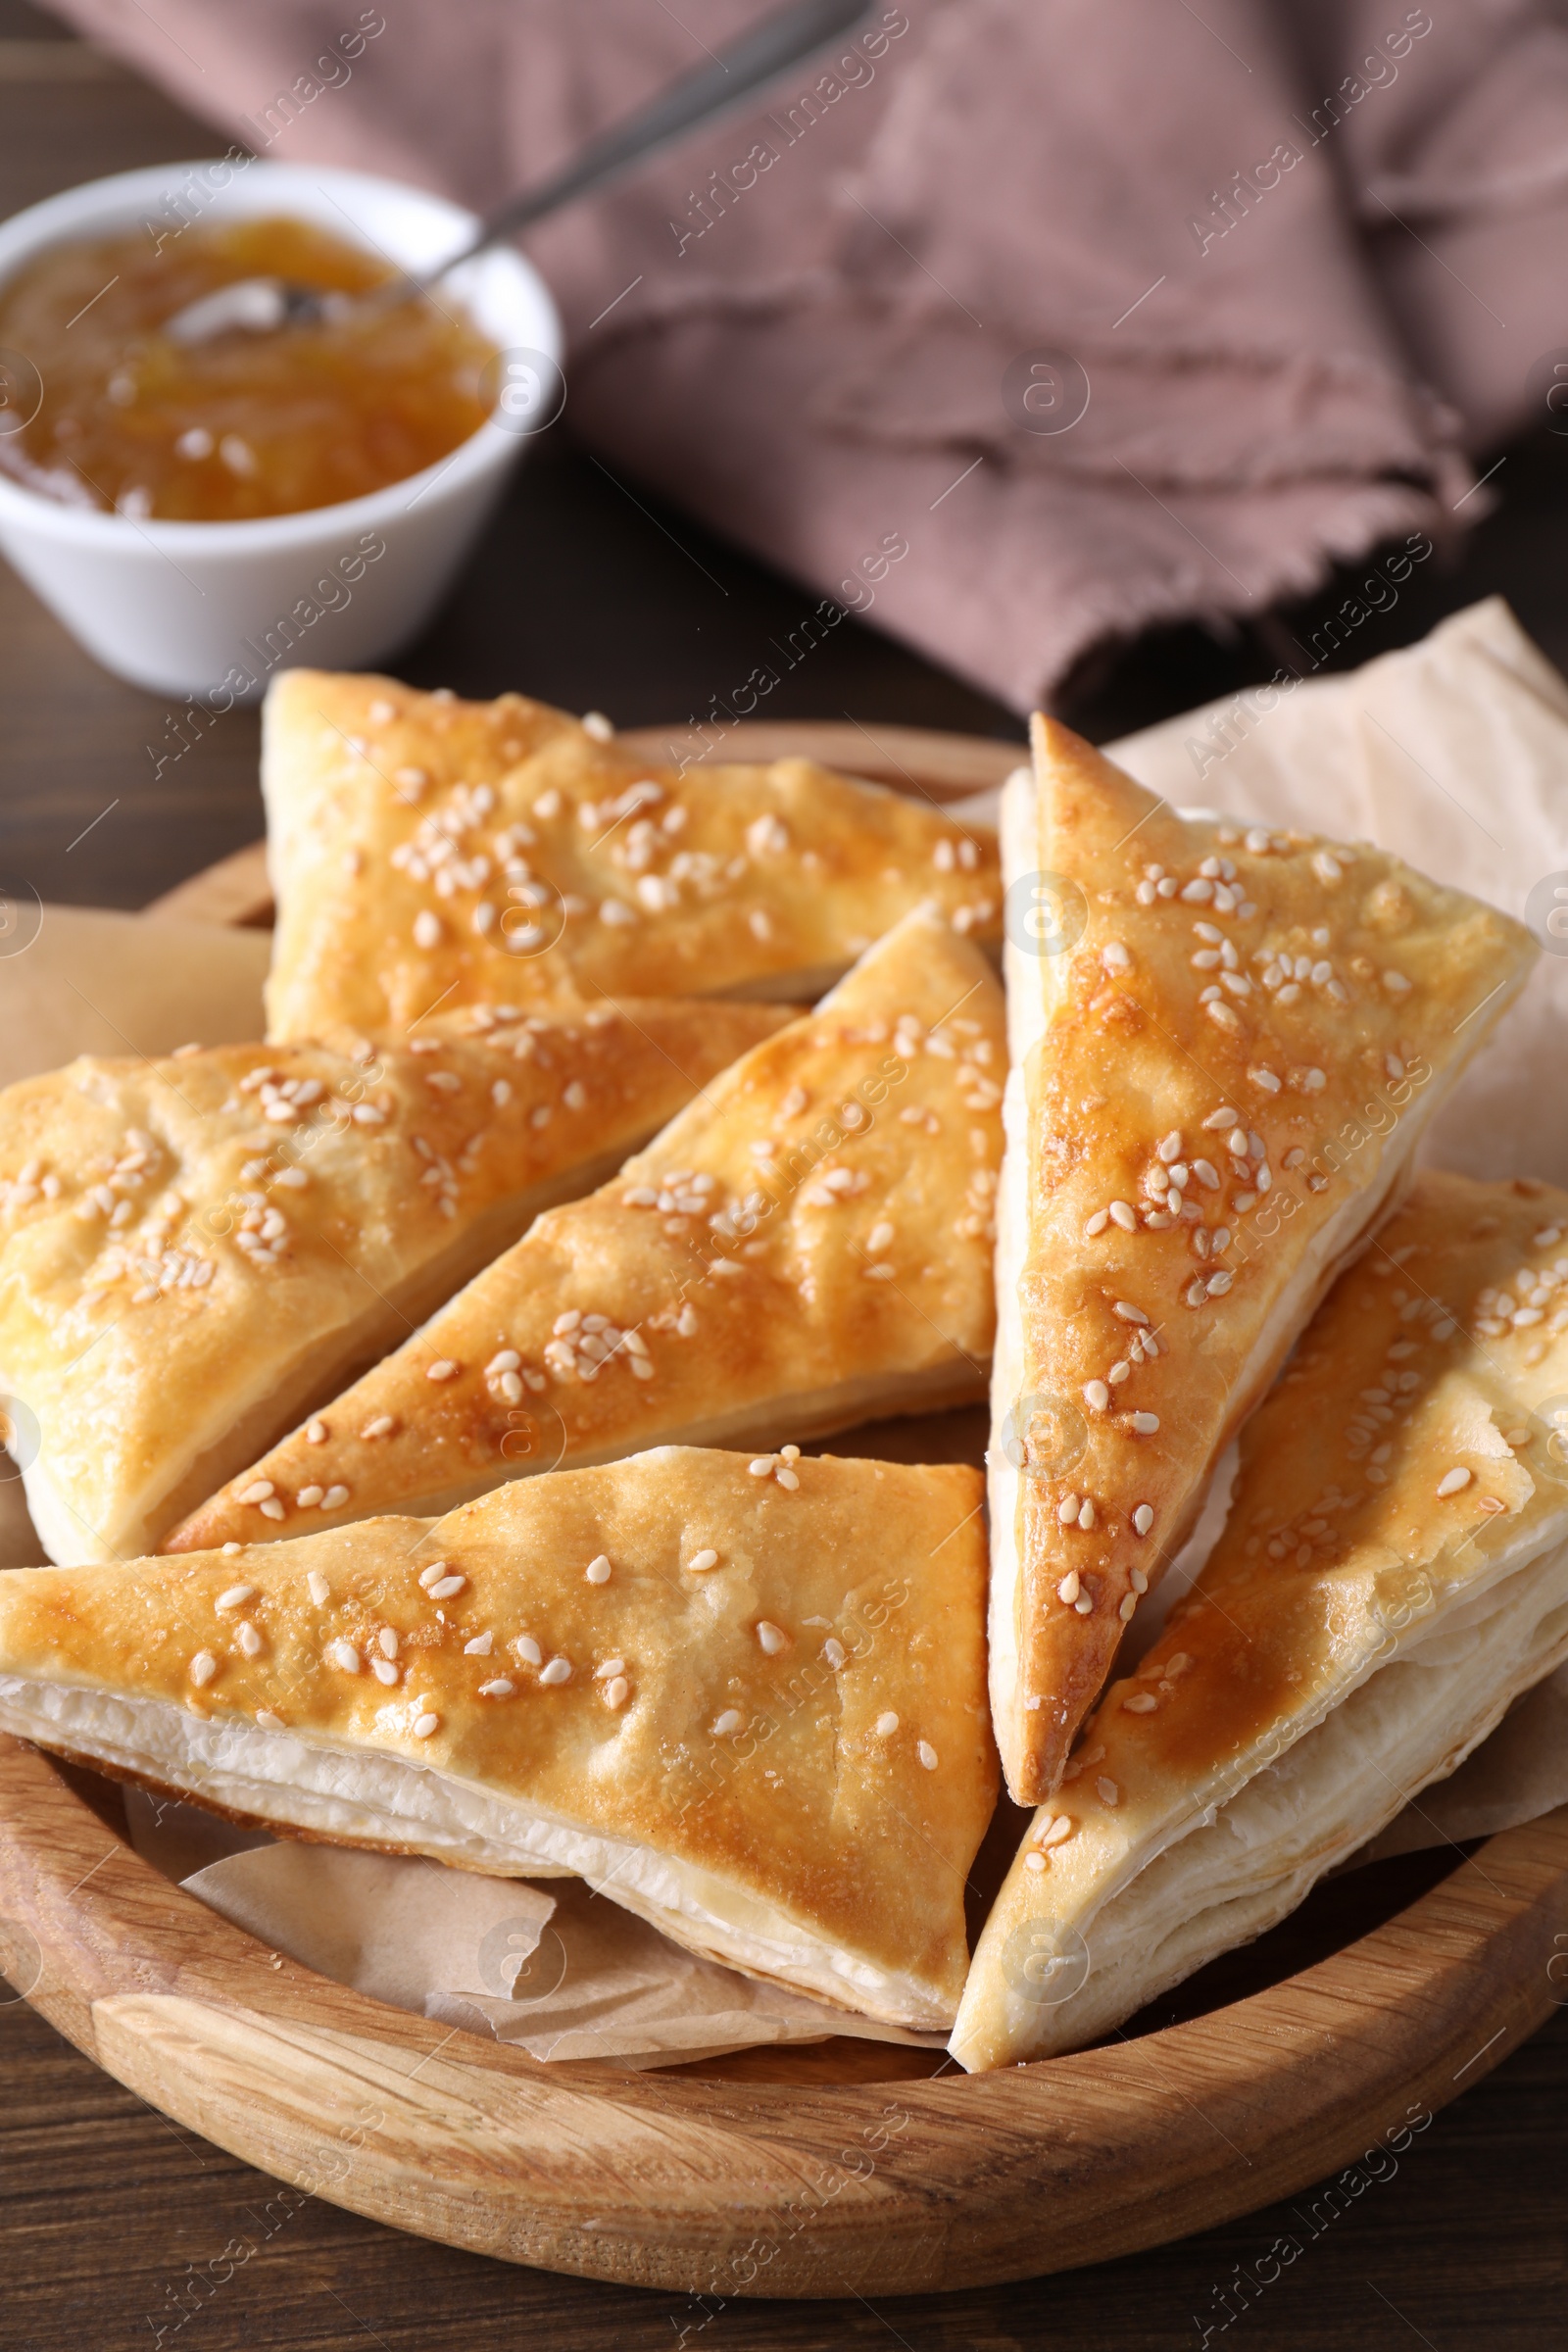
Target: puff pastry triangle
196,1250
425,848
807,1246
754,1715
1394,1571
1226,1044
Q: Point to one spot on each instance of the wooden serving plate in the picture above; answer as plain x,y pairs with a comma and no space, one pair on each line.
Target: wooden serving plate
842,2169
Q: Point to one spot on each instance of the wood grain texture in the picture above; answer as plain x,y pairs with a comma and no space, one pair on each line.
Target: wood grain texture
235,893
693,2182
919,760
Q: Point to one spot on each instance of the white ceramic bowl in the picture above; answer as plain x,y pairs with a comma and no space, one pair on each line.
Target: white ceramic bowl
211,609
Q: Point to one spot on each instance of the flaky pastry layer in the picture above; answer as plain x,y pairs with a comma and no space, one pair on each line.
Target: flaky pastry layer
425,849
195,1251
1392,1572
751,1709
807,1246
1226,1044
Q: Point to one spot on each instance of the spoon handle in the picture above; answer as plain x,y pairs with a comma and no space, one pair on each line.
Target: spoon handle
779,40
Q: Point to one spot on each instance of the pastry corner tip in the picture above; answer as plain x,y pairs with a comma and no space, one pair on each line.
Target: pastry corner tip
1049,738
187,1534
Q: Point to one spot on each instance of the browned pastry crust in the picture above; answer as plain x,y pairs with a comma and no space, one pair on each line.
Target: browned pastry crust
1392,1572
422,848
1218,1084
196,1250
755,1714
807,1246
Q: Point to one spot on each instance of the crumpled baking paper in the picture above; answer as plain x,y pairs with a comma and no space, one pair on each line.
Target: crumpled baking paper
552,1967
1453,754
82,980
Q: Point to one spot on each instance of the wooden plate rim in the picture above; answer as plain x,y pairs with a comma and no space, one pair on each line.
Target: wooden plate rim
732,2188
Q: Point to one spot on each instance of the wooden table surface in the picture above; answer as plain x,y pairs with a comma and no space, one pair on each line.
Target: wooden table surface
117,2230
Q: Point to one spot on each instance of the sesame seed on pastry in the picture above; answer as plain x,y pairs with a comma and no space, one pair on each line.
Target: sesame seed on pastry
1227,1042
422,848
195,1251
1392,1573
752,1713
806,1246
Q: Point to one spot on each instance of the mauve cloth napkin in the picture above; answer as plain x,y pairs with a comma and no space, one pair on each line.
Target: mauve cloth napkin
1305,252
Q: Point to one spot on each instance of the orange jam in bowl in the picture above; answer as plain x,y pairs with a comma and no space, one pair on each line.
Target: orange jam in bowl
245,424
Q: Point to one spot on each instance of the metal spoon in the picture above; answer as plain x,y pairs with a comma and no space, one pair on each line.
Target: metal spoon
262,305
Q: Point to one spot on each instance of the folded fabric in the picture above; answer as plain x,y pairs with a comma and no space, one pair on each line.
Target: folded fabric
1226,1045
428,852
805,1248
1394,1571
1016,360
753,1714
194,1250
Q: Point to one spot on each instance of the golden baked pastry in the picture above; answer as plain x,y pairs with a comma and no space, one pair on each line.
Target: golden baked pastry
195,1251
1226,1043
752,1713
808,1246
424,848
1394,1571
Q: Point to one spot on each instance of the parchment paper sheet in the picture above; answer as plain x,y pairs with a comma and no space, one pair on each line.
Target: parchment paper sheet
81,980
76,980
1453,752
549,1965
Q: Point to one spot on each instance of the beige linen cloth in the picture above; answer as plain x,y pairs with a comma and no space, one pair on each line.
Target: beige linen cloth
1306,253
